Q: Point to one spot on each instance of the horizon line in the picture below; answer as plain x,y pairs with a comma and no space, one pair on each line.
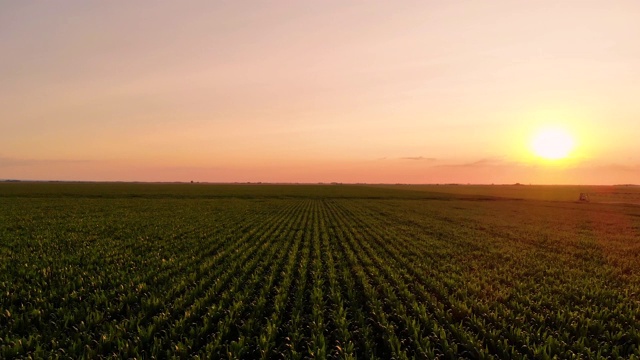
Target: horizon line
333,183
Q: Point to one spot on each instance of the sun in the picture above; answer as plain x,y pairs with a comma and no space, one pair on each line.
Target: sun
552,143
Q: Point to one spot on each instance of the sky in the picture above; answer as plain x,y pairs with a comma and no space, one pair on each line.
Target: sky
319,91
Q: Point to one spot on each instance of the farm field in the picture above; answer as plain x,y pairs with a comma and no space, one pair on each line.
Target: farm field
311,271
620,194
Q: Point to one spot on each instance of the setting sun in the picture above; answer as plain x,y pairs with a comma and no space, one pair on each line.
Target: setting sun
553,143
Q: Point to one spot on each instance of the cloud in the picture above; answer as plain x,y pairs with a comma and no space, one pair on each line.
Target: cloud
478,163
419,158
624,168
6,162
11,162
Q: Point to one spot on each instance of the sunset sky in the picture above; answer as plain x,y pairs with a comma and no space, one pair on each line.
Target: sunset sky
319,91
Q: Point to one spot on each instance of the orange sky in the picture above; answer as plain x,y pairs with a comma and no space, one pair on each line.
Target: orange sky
298,91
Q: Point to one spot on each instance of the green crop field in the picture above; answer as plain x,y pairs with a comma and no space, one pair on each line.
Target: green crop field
621,194
301,271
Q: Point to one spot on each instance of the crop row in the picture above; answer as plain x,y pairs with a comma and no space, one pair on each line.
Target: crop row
299,278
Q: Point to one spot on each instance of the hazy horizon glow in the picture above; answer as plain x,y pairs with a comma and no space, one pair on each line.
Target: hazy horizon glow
395,92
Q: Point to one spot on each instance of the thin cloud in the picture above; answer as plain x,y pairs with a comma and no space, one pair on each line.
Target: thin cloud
478,163
418,158
11,162
619,167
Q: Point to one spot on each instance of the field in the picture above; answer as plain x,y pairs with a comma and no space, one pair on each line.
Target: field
621,194
302,271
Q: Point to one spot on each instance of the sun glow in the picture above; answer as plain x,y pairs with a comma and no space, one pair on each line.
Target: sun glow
552,143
